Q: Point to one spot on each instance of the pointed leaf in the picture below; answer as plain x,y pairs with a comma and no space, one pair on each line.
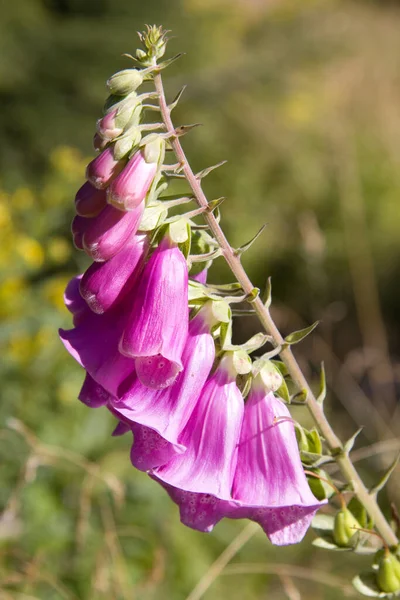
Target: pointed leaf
208,170
314,441
267,294
283,392
348,446
382,482
298,336
184,129
327,543
169,61
176,99
225,334
239,251
322,386
299,398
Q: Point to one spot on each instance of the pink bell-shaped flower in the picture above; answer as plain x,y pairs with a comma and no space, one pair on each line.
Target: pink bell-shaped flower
104,168
93,342
158,417
93,394
89,201
106,283
202,477
129,189
156,330
270,486
103,236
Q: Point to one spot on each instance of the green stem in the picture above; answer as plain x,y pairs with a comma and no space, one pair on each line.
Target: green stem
346,466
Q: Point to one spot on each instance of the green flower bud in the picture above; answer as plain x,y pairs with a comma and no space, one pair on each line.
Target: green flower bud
388,575
154,149
344,528
125,81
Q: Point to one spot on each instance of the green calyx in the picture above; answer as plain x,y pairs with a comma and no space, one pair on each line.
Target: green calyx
267,375
345,526
388,573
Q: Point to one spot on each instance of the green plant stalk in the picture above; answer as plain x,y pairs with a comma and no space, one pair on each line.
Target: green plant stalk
335,445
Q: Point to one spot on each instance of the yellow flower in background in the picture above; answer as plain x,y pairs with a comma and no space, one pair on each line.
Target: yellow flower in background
59,250
5,213
21,347
23,199
54,292
68,161
30,250
12,292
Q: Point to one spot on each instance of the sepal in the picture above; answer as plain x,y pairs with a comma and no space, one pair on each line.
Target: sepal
298,336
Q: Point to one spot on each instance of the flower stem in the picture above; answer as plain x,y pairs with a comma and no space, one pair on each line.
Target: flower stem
343,460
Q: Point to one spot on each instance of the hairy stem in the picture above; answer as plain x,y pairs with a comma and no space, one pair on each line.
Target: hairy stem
346,466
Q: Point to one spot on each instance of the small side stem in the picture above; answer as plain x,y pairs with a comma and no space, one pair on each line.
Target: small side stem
346,466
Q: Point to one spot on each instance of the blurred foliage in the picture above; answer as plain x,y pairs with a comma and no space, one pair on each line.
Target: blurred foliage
302,99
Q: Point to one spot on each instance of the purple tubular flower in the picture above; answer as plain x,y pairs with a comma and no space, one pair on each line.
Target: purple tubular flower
200,277
89,201
198,479
106,283
103,169
269,482
131,186
106,234
157,327
78,227
159,416
73,300
93,342
93,394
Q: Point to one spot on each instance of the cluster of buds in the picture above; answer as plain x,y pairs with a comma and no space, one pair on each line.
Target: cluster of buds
154,337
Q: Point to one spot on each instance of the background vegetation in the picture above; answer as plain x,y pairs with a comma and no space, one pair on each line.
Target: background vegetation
302,97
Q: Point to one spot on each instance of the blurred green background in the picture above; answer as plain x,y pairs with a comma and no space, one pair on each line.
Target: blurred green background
302,97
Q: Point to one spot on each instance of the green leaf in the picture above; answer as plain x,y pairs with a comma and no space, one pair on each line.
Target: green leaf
315,460
321,489
322,386
299,397
225,334
323,523
169,61
365,584
327,543
298,336
239,251
208,170
382,482
267,293
282,367
176,99
314,441
348,446
357,509
283,392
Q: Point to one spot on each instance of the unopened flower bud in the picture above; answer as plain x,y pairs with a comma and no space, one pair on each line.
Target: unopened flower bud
129,189
99,143
107,126
125,81
388,574
103,169
345,526
270,376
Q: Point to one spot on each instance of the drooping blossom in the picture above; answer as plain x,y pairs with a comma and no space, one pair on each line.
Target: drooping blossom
104,168
106,283
93,394
156,329
270,486
131,186
103,236
158,417
90,201
200,480
93,342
